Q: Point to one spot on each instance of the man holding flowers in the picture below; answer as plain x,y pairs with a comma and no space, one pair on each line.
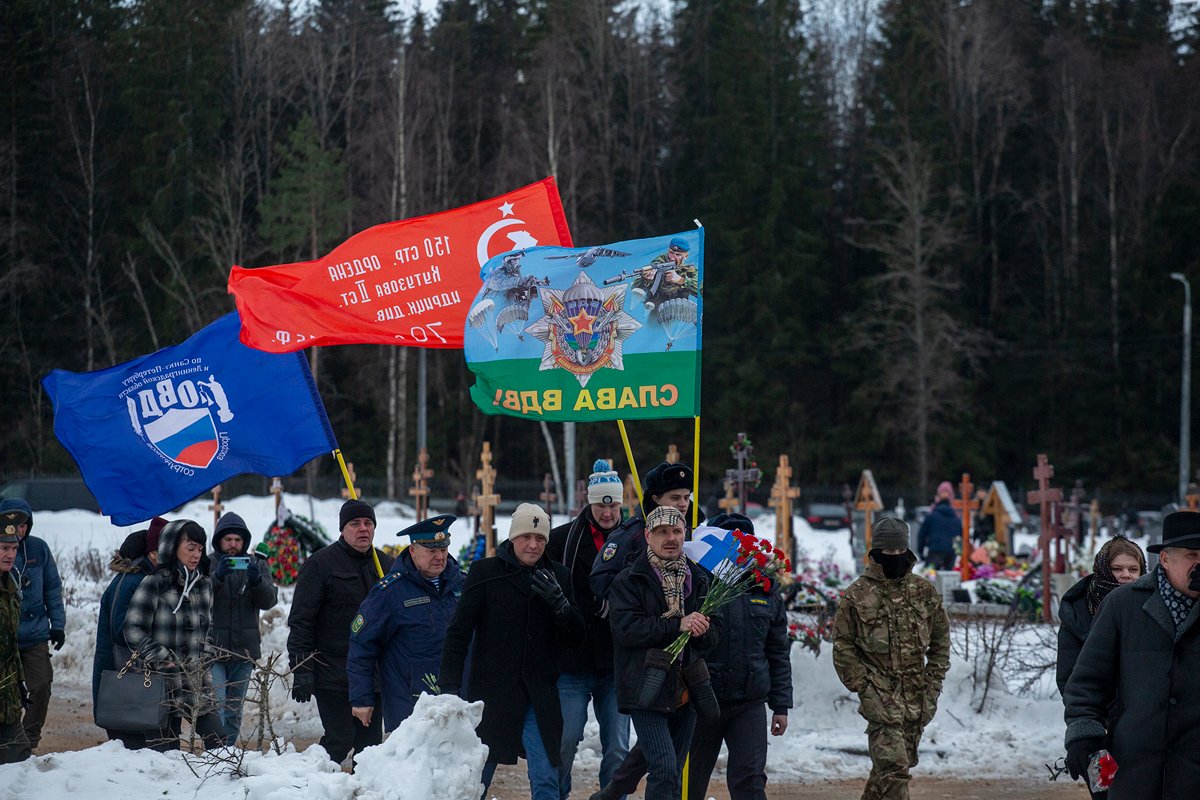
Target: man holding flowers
891,647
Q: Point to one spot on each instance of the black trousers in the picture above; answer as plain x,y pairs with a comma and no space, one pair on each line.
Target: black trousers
342,731
743,727
942,561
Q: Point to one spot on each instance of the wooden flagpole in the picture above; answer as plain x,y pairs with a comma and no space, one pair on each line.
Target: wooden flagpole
354,496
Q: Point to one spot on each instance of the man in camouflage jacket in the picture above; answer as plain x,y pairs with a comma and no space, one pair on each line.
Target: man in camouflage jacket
891,646
14,745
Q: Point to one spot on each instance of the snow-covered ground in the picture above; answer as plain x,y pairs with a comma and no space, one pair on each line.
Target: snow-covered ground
1011,738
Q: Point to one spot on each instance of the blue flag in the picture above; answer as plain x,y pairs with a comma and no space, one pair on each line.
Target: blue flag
715,549
155,432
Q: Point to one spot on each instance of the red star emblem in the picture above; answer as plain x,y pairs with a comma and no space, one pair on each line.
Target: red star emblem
582,322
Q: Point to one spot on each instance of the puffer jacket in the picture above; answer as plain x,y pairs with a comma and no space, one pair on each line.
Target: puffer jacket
110,627
168,620
636,608
239,595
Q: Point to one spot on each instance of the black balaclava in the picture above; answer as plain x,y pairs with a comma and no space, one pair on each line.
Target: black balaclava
894,566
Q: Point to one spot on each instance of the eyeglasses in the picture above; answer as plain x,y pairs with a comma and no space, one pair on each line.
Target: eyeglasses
1059,769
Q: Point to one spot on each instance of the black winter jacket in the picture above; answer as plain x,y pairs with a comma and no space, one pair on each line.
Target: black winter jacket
1076,622
572,546
236,598
636,608
332,584
1135,656
752,659
514,657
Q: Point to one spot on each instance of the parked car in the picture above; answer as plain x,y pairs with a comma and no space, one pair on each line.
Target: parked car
827,516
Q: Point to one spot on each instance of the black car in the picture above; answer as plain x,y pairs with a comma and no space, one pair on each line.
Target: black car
827,516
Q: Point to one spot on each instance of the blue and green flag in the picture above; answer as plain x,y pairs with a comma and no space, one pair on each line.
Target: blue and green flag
590,333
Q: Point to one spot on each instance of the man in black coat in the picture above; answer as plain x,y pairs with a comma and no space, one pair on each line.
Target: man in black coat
517,608
332,584
1143,654
242,587
587,670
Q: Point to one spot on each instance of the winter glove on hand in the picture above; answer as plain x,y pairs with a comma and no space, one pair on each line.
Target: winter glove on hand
223,564
303,684
26,700
547,587
1194,585
1079,753
58,638
254,572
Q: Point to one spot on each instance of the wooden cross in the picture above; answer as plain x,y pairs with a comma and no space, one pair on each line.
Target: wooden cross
868,501
420,489
277,490
728,503
743,453
487,499
346,489
216,506
548,496
672,454
782,495
966,504
1044,497
629,494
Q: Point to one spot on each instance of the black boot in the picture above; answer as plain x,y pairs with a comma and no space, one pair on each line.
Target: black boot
657,663
700,691
609,792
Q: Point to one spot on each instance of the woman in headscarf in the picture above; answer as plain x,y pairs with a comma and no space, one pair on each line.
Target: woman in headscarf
1119,562
167,625
651,602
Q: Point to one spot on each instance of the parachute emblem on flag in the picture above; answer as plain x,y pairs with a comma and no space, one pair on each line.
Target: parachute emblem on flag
584,328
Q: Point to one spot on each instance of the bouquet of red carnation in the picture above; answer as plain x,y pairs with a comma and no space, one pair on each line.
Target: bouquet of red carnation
755,562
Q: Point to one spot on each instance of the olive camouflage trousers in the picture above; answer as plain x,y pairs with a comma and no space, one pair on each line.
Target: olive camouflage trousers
893,751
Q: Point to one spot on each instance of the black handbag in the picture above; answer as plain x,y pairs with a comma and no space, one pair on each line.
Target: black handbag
131,699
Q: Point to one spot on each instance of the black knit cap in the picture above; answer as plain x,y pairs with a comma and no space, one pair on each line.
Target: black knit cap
667,477
353,509
733,522
134,546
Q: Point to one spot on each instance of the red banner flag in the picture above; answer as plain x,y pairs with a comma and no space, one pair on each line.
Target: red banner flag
409,282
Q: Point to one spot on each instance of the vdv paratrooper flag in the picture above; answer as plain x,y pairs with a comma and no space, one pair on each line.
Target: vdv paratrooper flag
404,283
152,433
586,334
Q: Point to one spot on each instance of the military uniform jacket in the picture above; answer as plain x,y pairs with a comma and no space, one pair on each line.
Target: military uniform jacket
11,673
1139,675
891,646
400,629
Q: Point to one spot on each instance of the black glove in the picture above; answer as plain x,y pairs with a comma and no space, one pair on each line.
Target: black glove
26,700
1079,754
57,638
222,568
254,572
547,587
1194,585
303,684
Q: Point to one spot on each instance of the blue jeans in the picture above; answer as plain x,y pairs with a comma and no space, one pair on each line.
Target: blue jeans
665,739
543,776
574,691
230,681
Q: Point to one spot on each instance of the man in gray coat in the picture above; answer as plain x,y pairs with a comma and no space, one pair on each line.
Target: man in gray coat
1142,657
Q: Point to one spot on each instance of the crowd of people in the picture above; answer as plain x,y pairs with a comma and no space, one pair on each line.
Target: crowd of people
584,613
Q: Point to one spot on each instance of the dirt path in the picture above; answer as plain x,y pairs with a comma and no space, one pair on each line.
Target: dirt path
69,727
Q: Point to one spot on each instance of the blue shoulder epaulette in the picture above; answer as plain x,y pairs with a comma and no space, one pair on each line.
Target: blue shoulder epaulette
387,580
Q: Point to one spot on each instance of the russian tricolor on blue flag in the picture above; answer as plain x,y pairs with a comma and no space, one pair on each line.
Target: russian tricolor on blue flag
152,433
715,549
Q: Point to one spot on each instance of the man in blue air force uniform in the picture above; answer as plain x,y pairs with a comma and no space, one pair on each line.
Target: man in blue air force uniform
401,625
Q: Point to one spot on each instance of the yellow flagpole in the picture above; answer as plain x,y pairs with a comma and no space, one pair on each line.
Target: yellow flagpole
354,496
637,482
695,479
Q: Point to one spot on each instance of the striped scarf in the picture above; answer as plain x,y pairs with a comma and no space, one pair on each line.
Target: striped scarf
1178,603
674,575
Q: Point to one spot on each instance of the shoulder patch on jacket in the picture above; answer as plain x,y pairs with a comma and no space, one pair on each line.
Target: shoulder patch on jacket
416,601
610,550
356,626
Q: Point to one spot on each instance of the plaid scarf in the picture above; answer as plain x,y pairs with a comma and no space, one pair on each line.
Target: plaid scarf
1178,603
674,575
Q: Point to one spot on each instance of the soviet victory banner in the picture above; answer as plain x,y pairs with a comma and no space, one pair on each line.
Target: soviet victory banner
589,334
404,283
